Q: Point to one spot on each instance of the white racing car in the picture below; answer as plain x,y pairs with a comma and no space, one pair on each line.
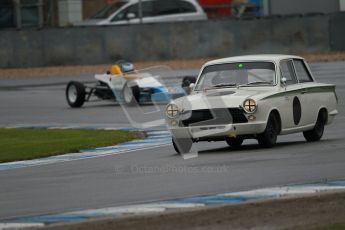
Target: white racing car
258,96
124,85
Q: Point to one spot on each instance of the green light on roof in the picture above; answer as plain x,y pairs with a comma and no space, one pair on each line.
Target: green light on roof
240,66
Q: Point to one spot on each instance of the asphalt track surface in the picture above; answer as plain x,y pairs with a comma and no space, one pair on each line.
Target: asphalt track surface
155,174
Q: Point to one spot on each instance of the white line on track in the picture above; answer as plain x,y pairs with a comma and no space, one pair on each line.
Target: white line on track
177,204
19,225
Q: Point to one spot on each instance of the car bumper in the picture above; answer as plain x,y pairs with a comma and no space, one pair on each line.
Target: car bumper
232,130
331,116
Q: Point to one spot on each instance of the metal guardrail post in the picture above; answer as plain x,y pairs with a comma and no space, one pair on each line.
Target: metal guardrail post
140,13
40,13
266,7
18,14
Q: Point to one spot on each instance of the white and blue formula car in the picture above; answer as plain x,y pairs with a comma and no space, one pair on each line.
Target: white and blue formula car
125,85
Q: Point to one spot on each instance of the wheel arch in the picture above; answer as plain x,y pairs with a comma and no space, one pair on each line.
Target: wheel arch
324,110
276,113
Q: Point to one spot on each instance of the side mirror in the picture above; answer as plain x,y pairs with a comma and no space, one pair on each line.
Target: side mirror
283,81
130,16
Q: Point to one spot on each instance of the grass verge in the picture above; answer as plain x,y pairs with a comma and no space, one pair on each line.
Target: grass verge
27,144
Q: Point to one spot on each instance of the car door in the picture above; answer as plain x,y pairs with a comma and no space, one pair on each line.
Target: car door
290,102
308,103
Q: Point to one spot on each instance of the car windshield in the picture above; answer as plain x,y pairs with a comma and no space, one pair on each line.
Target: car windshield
108,10
244,74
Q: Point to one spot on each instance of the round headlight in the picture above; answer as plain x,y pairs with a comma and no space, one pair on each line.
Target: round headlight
172,111
250,106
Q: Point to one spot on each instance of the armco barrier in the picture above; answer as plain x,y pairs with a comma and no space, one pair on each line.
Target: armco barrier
214,38
337,32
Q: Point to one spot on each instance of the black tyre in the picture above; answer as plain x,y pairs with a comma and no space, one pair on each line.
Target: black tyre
182,146
75,94
234,142
317,132
131,94
268,138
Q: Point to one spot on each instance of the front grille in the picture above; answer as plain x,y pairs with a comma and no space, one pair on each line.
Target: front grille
215,117
238,115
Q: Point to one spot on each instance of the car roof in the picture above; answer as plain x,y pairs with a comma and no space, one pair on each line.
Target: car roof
258,57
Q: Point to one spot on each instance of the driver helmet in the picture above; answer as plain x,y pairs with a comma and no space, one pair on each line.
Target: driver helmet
127,67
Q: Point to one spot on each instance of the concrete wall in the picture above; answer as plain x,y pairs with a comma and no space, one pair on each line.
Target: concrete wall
94,45
284,7
337,32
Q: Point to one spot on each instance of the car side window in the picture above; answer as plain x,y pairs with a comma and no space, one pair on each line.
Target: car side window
122,15
166,7
302,72
287,72
187,7
147,11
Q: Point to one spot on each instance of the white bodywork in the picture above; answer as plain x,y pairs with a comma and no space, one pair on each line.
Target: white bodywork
117,83
278,97
117,19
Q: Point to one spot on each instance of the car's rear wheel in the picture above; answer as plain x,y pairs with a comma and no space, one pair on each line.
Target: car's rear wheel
234,142
75,94
268,138
131,94
182,145
317,132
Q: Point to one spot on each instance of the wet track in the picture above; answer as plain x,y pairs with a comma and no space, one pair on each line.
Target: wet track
155,174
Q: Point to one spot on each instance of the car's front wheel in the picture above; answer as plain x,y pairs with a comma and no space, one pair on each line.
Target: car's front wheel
234,142
317,132
268,138
75,94
182,145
